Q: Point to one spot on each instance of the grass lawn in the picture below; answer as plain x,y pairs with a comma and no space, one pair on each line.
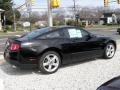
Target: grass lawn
11,33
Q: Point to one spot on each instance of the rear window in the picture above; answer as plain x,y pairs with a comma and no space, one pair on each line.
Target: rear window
36,33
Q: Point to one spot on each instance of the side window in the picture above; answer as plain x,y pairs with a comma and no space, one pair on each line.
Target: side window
51,35
74,33
77,33
84,33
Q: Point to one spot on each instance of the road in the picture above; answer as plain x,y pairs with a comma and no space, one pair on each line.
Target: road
109,33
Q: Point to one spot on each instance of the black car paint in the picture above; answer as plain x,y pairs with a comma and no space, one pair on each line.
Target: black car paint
32,49
113,84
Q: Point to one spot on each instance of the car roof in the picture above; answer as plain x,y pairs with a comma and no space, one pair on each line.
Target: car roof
60,27
54,28
64,26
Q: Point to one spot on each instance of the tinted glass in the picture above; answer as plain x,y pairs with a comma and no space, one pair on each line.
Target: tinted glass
76,33
55,34
36,33
84,33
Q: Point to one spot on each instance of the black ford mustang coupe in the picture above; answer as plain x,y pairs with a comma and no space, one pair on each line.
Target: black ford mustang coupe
113,84
50,47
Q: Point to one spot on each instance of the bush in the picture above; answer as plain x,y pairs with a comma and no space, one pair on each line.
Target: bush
58,23
112,24
71,23
75,23
8,28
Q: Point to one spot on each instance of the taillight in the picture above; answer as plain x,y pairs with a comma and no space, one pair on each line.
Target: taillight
14,47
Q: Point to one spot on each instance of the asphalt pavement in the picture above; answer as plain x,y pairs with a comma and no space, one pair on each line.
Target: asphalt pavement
107,33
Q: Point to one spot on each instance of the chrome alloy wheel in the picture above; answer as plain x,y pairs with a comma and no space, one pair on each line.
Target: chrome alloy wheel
110,50
51,62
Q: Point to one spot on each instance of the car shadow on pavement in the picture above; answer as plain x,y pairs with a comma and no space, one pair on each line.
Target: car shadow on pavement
79,62
11,70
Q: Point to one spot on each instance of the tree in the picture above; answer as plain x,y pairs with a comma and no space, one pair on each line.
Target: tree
58,19
35,16
7,6
9,16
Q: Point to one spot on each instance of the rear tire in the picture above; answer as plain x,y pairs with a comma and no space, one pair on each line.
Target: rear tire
49,62
109,51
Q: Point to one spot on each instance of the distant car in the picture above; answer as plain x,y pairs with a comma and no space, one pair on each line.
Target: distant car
118,30
113,84
49,48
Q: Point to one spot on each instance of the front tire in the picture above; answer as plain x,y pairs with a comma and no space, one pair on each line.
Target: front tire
49,62
109,51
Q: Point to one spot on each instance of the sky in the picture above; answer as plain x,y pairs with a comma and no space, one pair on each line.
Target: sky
67,3
43,3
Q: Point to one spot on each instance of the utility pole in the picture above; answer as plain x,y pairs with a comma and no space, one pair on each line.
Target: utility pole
75,17
74,8
14,16
50,20
28,4
29,12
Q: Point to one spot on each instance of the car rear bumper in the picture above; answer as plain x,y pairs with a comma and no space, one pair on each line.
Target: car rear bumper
21,65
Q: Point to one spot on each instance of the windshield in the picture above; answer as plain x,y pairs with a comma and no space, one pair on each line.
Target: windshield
36,33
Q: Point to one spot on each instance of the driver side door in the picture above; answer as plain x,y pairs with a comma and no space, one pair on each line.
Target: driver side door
83,45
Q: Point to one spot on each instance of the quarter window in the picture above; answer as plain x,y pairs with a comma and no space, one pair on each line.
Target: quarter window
51,35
